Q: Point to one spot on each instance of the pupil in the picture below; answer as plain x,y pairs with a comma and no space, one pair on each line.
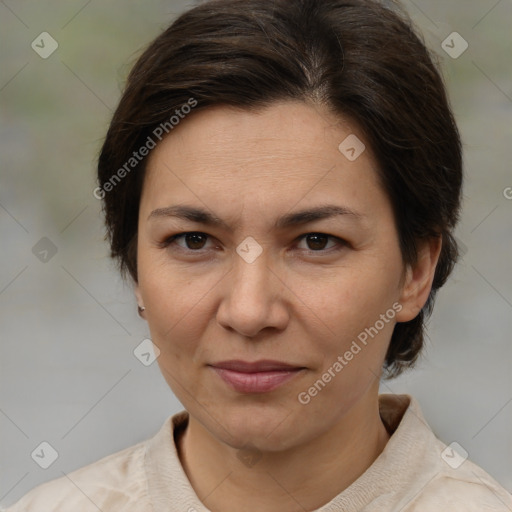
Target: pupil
318,241
195,239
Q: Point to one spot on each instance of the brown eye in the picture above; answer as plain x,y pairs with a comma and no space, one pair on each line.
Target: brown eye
192,241
195,240
318,242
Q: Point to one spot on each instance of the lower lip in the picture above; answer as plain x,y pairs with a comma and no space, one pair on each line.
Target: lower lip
257,382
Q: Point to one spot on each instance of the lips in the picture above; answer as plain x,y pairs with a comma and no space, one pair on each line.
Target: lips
254,367
255,377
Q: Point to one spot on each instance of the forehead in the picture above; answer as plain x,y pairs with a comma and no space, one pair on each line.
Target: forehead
285,130
285,153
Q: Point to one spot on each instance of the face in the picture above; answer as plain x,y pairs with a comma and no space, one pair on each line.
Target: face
232,270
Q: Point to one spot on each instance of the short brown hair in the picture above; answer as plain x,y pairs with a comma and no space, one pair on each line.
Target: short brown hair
362,59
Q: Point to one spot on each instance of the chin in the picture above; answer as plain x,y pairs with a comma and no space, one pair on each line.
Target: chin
264,428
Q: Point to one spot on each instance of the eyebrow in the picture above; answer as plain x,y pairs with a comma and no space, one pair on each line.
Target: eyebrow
202,216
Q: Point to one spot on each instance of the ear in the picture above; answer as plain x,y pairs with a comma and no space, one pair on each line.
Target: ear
418,279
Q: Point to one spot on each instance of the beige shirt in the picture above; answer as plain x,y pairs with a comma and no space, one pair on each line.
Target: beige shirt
415,472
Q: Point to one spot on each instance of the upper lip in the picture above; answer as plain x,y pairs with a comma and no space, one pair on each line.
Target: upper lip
265,365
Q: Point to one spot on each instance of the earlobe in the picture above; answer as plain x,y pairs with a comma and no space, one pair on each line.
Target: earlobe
418,279
141,308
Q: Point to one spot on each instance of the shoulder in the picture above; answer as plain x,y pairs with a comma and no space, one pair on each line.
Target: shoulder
464,488
425,474
112,483
459,493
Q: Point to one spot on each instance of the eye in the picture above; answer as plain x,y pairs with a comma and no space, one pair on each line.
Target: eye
318,242
196,241
191,240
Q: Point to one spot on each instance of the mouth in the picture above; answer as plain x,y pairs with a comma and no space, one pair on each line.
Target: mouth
255,377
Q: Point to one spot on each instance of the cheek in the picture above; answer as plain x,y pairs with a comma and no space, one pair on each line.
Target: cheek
351,352
175,302
177,318
350,300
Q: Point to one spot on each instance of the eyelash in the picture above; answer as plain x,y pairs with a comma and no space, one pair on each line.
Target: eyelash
341,243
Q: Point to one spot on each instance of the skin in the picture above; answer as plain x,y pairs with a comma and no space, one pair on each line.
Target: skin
299,302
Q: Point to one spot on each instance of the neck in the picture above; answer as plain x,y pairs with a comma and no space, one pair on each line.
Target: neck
303,478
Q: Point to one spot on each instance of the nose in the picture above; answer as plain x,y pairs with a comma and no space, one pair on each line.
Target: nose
253,298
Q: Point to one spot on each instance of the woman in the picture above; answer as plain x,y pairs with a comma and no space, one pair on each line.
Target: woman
281,181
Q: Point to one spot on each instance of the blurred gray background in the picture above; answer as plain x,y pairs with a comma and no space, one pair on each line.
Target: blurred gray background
68,329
